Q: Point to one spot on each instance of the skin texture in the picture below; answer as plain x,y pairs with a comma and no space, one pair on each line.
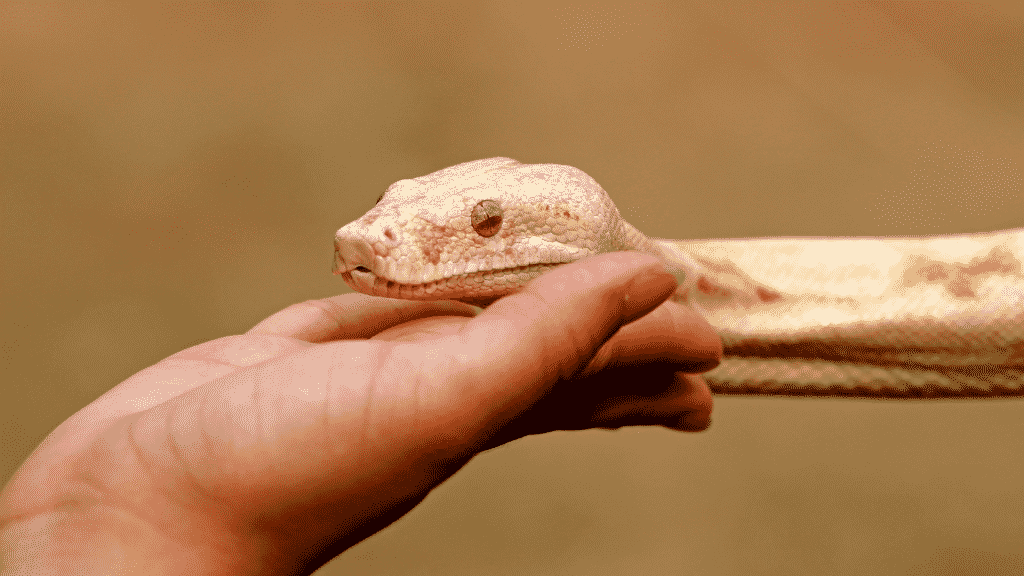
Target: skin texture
872,317
273,451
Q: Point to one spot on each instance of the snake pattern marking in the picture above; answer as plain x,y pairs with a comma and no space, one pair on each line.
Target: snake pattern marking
879,317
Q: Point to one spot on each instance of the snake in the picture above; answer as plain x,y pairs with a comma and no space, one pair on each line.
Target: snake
894,317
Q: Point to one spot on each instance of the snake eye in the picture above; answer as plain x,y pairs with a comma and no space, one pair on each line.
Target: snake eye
486,218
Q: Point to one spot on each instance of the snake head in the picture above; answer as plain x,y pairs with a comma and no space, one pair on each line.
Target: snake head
476,231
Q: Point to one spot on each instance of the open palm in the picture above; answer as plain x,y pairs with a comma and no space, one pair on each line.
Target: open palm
273,451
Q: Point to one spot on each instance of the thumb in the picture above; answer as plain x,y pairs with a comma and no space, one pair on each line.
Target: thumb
511,354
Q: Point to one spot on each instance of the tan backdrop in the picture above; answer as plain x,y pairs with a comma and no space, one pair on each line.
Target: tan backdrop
175,174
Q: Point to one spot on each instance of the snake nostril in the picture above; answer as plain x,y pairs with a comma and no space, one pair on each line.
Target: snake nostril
389,234
362,269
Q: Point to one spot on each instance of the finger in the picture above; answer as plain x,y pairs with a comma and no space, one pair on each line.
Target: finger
671,333
652,395
656,396
351,316
685,404
510,355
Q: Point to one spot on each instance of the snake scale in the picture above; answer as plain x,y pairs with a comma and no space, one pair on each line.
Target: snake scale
892,317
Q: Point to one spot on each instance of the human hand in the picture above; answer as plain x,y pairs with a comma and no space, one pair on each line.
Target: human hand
273,451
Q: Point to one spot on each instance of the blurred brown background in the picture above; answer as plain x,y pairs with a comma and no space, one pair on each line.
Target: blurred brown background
174,174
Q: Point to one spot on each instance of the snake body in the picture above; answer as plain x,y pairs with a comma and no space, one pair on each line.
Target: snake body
901,317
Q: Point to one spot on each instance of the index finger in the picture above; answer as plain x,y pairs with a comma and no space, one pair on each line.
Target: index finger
352,316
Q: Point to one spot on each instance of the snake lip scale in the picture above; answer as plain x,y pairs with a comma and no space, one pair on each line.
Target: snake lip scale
874,317
471,287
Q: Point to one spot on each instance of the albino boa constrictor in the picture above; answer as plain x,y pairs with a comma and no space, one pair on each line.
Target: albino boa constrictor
902,317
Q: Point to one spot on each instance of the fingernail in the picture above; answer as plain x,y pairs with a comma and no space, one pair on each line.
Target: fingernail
648,289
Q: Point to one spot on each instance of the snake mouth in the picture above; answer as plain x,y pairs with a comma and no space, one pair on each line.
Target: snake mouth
485,285
358,264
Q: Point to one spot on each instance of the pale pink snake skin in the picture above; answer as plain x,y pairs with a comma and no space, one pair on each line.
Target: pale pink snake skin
893,317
